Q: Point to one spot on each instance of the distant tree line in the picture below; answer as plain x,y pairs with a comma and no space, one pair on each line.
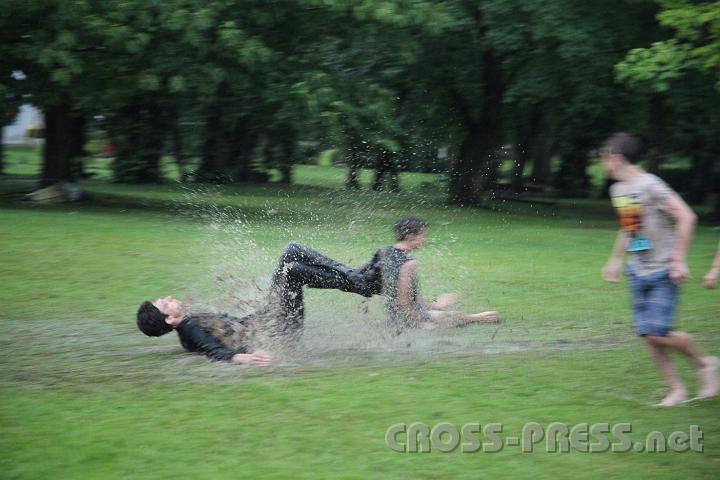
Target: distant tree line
386,83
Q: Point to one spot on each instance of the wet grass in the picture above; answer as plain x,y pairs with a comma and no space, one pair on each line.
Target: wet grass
86,396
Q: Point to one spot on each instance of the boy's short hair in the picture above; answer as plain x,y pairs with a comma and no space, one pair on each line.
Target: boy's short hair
629,146
151,321
408,226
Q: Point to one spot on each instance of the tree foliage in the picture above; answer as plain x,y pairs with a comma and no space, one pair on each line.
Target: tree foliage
242,84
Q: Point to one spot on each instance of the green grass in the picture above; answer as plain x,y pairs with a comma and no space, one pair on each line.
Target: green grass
87,396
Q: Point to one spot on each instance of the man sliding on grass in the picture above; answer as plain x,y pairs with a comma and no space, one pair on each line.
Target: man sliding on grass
398,270
224,337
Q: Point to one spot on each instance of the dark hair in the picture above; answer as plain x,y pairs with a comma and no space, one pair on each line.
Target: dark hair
624,144
408,226
151,321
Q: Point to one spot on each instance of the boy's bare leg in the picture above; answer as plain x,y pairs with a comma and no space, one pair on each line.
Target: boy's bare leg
682,342
447,318
490,316
450,319
444,301
661,357
707,366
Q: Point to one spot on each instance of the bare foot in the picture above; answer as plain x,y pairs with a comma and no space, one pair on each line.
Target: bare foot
709,378
674,398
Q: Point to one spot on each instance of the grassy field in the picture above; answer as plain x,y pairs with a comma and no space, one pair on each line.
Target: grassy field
85,395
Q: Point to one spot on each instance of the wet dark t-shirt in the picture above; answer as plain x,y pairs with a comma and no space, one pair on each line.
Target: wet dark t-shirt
218,336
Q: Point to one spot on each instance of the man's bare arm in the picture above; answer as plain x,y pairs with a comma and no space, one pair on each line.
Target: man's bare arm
404,291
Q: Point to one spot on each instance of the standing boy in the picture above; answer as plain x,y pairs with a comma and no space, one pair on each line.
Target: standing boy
656,228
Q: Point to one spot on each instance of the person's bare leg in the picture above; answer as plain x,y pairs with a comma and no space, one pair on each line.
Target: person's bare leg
707,367
444,301
683,343
709,378
450,318
490,316
664,365
661,357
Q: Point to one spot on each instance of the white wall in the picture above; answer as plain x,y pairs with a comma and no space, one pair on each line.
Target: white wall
17,132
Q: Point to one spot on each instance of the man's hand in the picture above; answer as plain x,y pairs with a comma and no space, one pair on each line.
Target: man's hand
611,272
255,359
711,278
679,272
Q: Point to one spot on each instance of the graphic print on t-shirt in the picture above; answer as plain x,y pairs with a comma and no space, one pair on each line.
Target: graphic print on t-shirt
630,210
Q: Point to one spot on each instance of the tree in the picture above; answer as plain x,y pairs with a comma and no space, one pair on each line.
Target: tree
678,70
9,105
694,46
53,48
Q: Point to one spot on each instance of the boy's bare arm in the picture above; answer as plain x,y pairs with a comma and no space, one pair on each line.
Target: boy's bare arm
685,221
611,270
711,277
404,290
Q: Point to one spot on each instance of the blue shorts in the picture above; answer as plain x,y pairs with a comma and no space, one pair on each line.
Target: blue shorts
654,298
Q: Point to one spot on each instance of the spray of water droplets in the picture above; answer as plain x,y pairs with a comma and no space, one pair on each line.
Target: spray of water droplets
243,241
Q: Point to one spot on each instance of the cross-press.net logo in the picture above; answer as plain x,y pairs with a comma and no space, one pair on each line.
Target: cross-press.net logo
554,437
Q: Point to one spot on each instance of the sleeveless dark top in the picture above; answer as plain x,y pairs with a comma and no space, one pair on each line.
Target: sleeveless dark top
391,261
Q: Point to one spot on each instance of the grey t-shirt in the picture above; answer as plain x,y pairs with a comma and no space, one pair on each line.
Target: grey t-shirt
639,204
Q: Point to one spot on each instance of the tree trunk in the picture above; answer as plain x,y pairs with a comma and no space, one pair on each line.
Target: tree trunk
700,175
355,159
219,160
542,158
394,180
77,144
57,159
657,133
210,163
287,154
352,179
242,145
527,139
139,132
382,166
386,171
178,150
572,178
462,176
2,152
475,170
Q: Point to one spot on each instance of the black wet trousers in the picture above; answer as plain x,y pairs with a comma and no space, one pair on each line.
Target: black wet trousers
301,266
